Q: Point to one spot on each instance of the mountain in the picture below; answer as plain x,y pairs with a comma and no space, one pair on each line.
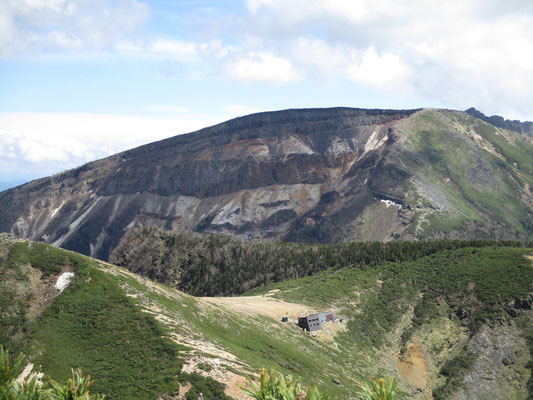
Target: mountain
454,324
311,175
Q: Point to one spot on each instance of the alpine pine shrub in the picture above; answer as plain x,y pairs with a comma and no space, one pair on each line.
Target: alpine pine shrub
380,389
273,385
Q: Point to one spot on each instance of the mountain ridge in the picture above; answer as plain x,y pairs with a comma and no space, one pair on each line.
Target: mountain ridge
525,127
319,175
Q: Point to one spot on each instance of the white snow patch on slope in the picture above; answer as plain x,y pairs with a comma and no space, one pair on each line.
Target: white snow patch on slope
64,280
389,203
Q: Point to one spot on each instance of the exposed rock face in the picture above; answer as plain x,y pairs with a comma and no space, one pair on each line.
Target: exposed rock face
304,175
499,372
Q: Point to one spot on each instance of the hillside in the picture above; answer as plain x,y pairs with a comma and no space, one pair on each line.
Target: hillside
218,265
312,175
456,323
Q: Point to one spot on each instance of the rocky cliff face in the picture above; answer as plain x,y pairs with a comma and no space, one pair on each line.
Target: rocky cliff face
525,127
319,175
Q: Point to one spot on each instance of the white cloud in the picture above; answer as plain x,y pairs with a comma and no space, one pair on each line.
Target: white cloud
45,26
38,150
455,52
379,70
39,144
352,11
262,67
174,47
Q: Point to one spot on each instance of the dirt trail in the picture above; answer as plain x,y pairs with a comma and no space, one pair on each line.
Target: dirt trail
413,368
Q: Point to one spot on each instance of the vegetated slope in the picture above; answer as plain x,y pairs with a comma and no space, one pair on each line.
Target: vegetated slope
468,312
316,175
91,325
218,265
138,337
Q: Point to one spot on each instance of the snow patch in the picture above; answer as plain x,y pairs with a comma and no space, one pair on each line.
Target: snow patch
389,203
64,280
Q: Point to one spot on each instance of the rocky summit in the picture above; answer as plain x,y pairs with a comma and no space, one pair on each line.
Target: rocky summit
310,175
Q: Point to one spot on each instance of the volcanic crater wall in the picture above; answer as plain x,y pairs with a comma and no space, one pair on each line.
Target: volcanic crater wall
319,175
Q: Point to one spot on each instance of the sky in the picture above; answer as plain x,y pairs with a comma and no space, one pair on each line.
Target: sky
83,79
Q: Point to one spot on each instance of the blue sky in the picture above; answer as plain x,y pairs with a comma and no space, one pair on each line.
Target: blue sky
82,79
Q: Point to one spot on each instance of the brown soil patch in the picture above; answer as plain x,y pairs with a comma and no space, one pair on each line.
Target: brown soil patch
36,292
219,372
329,331
276,309
413,368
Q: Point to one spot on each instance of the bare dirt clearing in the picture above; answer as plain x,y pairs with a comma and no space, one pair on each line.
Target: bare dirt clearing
413,368
261,305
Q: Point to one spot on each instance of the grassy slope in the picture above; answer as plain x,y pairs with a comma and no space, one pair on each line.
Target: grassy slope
481,186
258,341
95,326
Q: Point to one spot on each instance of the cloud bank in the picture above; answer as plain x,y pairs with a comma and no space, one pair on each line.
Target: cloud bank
458,52
461,53
39,144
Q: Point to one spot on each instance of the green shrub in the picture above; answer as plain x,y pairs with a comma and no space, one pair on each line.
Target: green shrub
379,389
275,386
208,387
214,265
76,388
454,370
